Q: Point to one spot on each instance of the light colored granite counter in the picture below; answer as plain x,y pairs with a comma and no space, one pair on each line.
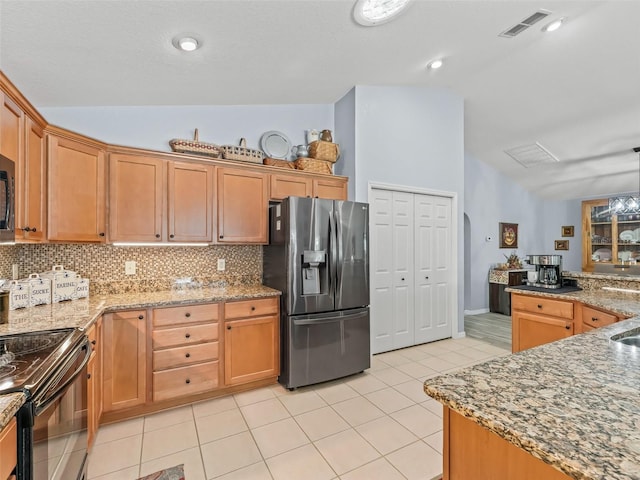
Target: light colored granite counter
574,403
83,313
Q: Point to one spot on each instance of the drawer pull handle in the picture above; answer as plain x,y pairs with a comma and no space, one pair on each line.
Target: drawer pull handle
187,314
187,335
187,381
187,355
568,327
93,342
594,319
253,308
157,235
221,236
171,236
228,327
140,317
539,306
101,234
402,279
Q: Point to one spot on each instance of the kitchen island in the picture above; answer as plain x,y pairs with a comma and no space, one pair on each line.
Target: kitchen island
568,409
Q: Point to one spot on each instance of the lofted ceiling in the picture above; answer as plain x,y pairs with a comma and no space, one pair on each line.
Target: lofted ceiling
575,91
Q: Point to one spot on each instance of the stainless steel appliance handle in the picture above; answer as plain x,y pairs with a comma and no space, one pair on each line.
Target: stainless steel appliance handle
333,253
318,321
48,398
339,251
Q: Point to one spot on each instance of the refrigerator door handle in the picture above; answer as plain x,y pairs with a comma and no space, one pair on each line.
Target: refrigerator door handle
337,220
333,253
317,321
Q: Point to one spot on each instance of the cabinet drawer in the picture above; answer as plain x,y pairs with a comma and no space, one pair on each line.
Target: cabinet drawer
187,335
597,318
180,356
165,317
251,308
545,306
179,382
8,449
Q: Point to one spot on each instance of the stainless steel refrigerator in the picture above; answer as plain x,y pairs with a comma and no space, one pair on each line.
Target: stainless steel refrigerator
318,256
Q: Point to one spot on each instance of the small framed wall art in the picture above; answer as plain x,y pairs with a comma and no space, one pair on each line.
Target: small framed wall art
567,230
562,244
508,235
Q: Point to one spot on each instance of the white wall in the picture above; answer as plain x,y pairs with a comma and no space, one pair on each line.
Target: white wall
407,136
153,127
491,198
345,124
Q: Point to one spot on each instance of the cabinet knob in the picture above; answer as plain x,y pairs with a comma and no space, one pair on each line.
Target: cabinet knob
140,317
539,306
171,236
88,376
187,381
157,235
101,234
187,335
187,355
93,342
26,229
187,314
594,319
426,278
228,327
567,327
33,229
253,308
221,236
402,279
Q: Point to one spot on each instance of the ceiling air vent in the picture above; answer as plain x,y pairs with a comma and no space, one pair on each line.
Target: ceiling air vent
524,24
531,155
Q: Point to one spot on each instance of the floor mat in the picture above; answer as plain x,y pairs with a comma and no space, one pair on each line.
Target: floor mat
173,473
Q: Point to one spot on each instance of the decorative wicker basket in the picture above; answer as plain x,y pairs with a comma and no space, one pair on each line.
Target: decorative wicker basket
321,150
276,162
195,146
242,153
314,165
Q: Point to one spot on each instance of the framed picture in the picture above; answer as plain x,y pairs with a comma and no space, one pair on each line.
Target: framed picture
508,235
567,230
562,244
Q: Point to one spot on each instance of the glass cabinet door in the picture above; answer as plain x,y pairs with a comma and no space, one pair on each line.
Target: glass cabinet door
628,239
601,233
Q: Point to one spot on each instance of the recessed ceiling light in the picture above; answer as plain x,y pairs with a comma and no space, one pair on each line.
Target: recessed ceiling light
376,12
555,25
435,64
186,43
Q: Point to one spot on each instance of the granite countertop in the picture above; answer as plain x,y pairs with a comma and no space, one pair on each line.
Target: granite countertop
84,312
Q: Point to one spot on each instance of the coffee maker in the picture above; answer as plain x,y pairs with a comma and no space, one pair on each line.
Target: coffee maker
548,268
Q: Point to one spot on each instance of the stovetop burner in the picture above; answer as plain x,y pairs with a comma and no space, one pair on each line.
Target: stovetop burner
22,355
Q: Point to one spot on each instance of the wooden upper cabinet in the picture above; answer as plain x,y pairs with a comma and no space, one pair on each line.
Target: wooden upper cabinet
282,186
11,128
31,190
77,177
332,188
190,199
136,198
242,206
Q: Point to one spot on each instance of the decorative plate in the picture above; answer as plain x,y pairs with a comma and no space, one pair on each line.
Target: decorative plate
275,145
628,236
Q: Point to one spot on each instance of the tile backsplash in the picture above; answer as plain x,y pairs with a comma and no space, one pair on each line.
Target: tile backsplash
158,268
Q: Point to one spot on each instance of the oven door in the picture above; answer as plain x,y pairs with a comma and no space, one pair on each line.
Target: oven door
55,448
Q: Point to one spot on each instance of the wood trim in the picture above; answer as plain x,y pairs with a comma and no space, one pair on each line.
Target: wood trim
76,137
10,89
8,448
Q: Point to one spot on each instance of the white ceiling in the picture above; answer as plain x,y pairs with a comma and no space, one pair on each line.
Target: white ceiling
575,91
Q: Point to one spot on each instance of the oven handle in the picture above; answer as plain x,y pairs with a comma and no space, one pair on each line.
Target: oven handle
41,405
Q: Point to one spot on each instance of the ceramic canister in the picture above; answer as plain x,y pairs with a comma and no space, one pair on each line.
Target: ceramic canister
312,136
64,284
18,294
82,289
40,291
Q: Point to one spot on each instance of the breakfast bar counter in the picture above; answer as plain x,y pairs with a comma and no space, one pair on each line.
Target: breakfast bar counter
574,404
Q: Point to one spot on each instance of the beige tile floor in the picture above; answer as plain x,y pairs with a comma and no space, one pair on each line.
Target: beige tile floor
375,425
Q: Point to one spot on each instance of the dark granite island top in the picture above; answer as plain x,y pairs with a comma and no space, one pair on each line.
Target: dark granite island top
574,403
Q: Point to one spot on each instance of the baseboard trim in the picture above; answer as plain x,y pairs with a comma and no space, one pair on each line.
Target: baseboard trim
476,312
459,334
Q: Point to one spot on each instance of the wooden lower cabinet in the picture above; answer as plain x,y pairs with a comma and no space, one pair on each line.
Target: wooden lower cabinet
8,449
125,359
473,452
94,382
251,341
536,321
595,318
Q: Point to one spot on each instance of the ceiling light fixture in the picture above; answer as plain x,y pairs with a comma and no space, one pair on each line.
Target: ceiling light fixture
627,204
376,12
555,25
186,43
435,64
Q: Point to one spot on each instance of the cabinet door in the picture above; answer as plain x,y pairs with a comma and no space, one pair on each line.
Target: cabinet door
190,202
136,196
11,125
242,206
597,318
332,188
32,187
125,360
76,191
282,186
92,379
599,235
531,330
251,349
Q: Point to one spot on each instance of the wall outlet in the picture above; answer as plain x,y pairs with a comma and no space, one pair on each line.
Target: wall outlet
129,267
221,265
15,272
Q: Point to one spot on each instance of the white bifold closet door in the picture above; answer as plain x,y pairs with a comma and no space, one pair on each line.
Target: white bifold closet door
410,266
